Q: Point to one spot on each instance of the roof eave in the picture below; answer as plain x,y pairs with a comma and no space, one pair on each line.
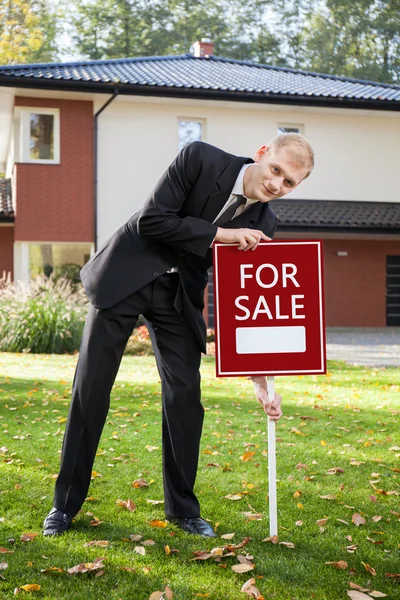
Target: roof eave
191,93
326,228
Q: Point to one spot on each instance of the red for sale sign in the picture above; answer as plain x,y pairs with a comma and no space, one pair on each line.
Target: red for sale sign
269,317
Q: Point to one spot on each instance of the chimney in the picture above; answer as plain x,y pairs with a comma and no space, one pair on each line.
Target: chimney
203,48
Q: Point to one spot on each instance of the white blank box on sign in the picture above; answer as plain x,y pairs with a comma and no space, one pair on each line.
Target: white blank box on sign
270,340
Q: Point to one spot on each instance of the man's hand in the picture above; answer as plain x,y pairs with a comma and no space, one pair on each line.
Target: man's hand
248,239
272,409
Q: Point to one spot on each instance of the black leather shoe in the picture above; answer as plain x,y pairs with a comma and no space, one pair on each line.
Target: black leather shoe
56,522
195,525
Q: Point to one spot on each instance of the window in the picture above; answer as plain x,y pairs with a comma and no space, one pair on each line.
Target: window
189,131
40,135
290,128
58,259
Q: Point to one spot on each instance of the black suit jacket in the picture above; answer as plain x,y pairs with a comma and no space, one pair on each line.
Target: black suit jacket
174,228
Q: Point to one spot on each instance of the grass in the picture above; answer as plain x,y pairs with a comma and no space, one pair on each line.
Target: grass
329,422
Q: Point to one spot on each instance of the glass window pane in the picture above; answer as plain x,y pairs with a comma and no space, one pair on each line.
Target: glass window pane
189,131
41,136
288,130
58,259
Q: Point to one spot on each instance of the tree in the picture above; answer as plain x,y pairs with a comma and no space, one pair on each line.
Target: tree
28,31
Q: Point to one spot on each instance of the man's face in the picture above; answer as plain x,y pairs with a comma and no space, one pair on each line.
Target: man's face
274,174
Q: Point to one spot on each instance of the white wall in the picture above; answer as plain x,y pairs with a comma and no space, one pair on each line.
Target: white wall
357,152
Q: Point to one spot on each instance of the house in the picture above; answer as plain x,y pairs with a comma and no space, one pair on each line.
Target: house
83,143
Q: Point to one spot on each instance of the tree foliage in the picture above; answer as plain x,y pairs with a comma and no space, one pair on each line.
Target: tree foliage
355,38
28,31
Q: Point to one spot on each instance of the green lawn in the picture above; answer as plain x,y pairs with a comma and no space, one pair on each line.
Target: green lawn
339,437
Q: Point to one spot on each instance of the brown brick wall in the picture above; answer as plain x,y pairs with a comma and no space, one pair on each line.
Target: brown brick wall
6,249
55,202
355,285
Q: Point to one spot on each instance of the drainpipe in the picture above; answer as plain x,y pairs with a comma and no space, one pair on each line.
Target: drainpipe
95,152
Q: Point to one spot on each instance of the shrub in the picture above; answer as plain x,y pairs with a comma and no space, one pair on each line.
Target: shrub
43,316
139,343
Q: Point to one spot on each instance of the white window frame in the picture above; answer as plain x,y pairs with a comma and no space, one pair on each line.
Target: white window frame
192,120
25,129
298,126
21,256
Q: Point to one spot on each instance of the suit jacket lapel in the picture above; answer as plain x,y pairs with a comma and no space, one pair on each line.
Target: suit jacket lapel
224,183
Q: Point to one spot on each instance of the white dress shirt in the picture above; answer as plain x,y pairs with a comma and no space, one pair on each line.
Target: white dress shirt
238,189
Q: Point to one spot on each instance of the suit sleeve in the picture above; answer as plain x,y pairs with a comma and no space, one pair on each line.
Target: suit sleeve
159,218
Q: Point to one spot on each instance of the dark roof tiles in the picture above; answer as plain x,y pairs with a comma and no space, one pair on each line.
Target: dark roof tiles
212,73
337,214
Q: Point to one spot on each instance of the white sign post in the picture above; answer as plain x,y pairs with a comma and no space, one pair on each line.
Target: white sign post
273,511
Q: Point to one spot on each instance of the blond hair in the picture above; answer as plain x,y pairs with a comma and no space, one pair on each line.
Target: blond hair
297,146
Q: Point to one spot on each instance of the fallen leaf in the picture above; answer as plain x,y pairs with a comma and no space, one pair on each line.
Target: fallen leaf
127,504
3,566
30,587
355,586
335,470
201,555
140,550
288,544
6,551
341,564
151,448
247,456
241,544
395,576
250,589
355,595
28,537
139,483
101,543
156,596
96,565
369,569
242,568
168,593
322,522
228,536
52,570
358,519
135,538
328,497
148,543
273,539
376,518
233,497
352,548
376,594
250,516
157,523
154,502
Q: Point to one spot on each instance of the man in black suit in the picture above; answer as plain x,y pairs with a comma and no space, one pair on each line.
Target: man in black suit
156,265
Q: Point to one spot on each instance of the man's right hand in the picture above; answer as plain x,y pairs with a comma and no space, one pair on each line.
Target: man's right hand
248,239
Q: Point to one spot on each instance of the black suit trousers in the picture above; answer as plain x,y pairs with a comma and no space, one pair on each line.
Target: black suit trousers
178,357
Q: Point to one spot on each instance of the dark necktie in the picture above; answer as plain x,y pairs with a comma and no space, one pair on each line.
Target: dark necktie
229,213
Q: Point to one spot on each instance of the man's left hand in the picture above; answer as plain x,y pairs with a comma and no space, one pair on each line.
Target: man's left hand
272,409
